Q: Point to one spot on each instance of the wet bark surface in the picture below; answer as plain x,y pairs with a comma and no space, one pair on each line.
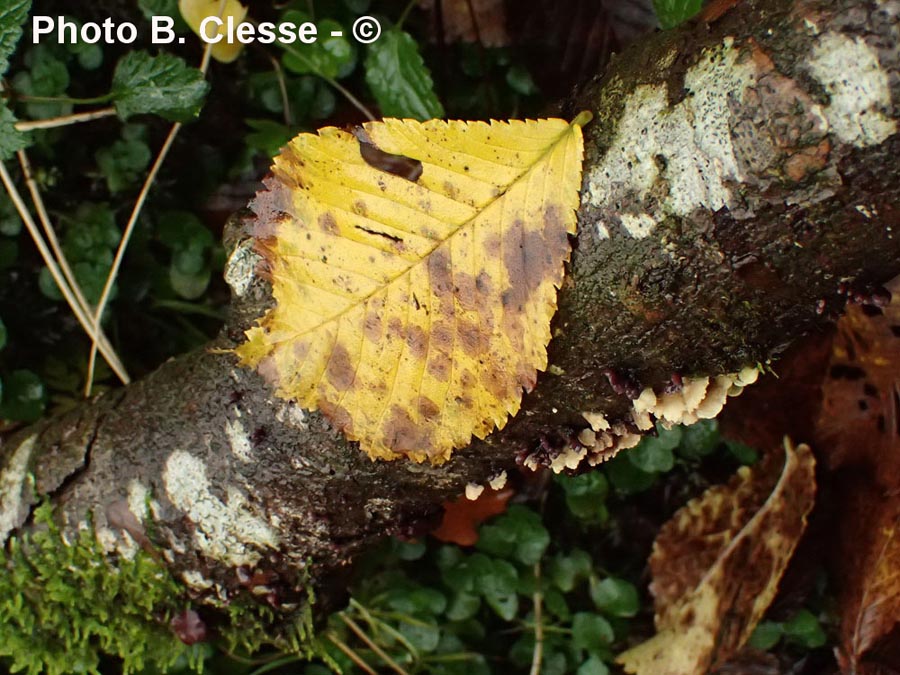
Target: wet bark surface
788,215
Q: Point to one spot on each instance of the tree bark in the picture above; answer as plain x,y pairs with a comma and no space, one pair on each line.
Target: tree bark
741,181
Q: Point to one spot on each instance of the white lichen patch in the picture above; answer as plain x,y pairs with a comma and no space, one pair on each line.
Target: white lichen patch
688,145
498,482
238,440
292,415
637,226
138,499
196,580
229,531
118,541
858,87
602,231
473,491
12,479
240,270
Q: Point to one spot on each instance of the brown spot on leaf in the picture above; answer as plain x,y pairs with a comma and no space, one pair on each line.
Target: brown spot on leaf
338,416
439,273
472,339
417,341
328,224
341,371
439,367
442,336
428,409
402,434
465,292
372,326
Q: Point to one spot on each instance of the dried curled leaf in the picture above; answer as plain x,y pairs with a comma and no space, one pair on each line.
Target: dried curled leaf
717,563
413,309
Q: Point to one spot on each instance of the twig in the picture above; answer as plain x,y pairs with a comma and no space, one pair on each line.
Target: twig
65,120
361,634
538,598
123,244
81,315
60,257
356,658
282,87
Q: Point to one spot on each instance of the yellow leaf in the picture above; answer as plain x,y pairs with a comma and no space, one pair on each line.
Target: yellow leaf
717,563
414,268
195,11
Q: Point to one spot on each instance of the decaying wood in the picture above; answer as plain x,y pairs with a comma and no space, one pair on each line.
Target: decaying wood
740,176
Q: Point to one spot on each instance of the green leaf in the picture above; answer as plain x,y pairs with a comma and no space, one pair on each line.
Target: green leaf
699,439
567,570
123,163
591,631
626,477
804,628
329,56
189,286
163,85
463,606
268,136
23,398
417,600
12,15
2,334
424,636
673,12
399,79
408,550
742,452
519,80
518,534
556,604
11,140
766,635
10,223
151,8
654,455
586,496
593,666
615,597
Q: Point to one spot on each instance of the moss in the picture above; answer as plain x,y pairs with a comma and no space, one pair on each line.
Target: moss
251,626
63,604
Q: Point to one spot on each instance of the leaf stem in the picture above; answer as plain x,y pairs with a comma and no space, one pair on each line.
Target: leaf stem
58,277
65,120
330,80
353,656
361,634
537,655
25,98
405,13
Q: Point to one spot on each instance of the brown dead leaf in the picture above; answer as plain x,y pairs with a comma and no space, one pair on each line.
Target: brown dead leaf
859,422
858,431
463,516
481,21
717,563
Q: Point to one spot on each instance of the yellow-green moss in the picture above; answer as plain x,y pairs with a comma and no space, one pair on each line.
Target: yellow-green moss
62,605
